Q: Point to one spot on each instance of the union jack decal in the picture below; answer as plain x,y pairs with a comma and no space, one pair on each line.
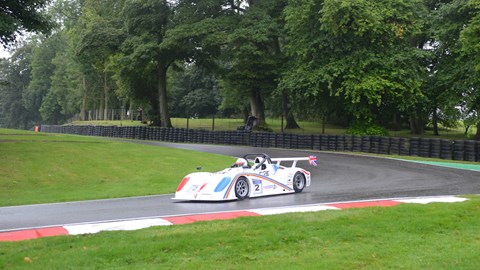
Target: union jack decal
312,160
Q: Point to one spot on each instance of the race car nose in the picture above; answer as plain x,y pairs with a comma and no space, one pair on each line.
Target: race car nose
183,183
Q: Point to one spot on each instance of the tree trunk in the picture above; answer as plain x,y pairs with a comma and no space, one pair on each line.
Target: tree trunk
291,123
435,121
246,114
324,120
105,95
395,124
416,125
100,110
258,107
84,99
162,97
155,113
130,111
122,111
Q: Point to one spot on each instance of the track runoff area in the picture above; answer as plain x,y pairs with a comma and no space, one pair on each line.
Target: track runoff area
140,223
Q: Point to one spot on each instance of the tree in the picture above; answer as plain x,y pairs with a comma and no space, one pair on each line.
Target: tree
146,22
253,55
64,96
240,40
14,79
197,35
363,52
16,16
469,58
54,87
194,92
42,71
470,35
442,94
100,34
159,33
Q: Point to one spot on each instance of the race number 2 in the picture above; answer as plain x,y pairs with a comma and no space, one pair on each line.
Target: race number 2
257,187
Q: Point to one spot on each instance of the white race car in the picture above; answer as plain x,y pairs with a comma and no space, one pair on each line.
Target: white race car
264,176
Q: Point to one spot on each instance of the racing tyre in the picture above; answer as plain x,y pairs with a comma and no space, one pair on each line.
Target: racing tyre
242,189
298,182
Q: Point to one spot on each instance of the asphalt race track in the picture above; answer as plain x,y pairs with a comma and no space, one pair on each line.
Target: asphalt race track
338,177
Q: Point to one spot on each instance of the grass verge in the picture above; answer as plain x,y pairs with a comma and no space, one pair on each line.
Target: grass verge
41,168
433,236
459,164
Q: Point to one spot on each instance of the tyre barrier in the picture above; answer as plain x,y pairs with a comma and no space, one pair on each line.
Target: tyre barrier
384,147
469,150
332,143
357,144
445,149
348,143
366,144
435,148
458,150
279,141
394,146
340,143
477,151
424,147
374,144
414,147
294,142
324,142
303,142
316,142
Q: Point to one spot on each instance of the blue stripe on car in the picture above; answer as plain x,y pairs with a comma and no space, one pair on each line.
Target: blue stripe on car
223,184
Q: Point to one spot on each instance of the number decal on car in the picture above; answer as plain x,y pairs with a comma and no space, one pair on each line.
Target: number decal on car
264,173
257,187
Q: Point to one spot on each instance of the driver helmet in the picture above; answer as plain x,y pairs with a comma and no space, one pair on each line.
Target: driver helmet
240,162
258,160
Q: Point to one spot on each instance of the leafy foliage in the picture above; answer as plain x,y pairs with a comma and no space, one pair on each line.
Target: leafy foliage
359,51
366,129
14,77
16,16
392,63
194,93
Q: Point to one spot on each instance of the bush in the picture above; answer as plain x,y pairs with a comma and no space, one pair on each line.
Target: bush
367,129
263,129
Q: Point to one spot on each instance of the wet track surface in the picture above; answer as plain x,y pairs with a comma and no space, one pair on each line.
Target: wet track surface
338,177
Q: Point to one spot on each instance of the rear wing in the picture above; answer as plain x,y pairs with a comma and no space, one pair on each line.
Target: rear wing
312,160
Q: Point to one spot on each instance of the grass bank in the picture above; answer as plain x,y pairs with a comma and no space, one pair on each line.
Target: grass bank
458,164
41,168
433,236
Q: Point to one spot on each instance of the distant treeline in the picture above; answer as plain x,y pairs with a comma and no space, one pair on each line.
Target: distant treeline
391,63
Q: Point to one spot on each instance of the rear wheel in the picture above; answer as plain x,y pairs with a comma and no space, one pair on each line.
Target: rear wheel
242,189
298,182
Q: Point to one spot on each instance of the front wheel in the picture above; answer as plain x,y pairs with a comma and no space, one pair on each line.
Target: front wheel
242,189
298,182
